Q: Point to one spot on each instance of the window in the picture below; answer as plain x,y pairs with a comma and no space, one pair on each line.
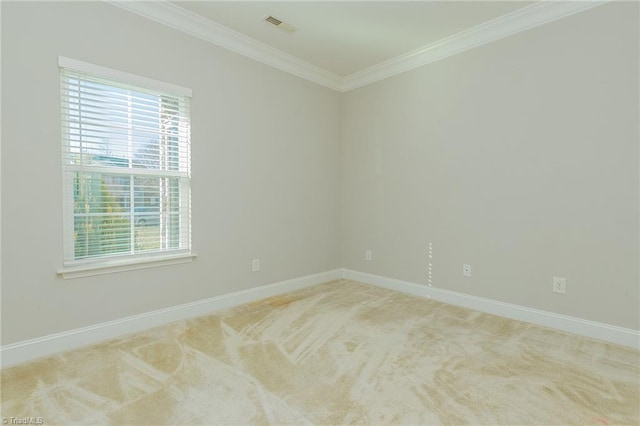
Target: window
126,167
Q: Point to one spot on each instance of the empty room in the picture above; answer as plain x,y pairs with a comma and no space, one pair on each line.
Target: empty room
357,212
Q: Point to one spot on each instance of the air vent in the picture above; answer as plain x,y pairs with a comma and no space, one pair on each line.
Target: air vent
272,20
280,24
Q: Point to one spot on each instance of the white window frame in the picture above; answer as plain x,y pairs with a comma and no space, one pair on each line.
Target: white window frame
108,264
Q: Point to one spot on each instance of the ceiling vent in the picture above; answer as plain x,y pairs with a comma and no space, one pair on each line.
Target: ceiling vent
280,24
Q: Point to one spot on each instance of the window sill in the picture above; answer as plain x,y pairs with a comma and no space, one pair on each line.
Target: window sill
112,266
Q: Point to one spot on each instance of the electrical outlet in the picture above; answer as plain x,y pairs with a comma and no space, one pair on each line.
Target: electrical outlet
559,285
368,255
255,265
466,270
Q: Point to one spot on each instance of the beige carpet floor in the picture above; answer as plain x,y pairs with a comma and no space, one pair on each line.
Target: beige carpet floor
337,353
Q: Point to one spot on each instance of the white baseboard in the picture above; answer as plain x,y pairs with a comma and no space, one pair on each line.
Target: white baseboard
592,329
20,352
27,350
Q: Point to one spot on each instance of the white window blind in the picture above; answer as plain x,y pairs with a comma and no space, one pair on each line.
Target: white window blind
126,166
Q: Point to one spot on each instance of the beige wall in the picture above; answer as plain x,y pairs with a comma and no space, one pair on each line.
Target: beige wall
265,165
519,157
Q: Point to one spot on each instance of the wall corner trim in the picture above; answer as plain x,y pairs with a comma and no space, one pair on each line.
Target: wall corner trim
586,328
178,18
27,350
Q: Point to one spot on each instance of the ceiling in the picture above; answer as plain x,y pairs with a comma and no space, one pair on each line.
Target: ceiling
350,36
344,45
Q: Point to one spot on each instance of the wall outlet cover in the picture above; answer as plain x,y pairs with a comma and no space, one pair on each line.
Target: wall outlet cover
466,270
559,285
368,255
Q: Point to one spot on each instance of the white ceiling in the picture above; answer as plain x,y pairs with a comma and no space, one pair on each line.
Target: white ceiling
350,36
344,45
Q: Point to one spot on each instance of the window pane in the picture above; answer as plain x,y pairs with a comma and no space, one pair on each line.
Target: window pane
101,235
101,193
156,213
146,200
173,220
101,214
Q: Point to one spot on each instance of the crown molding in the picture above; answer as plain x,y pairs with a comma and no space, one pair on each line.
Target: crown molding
188,22
529,17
